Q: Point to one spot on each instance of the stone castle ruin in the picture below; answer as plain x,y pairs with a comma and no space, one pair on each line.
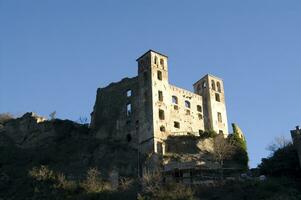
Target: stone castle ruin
145,110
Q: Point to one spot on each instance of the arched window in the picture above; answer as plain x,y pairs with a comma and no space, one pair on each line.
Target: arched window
213,85
204,84
187,104
174,99
156,60
219,89
162,62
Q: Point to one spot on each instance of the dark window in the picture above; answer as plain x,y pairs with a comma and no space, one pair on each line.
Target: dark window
187,112
174,99
219,117
129,93
128,137
156,60
213,85
128,109
159,75
145,77
199,108
221,132
176,124
176,107
219,89
160,94
200,116
162,128
161,114
217,97
137,124
187,104
204,84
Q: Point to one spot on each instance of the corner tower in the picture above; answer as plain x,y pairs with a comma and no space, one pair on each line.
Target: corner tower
211,88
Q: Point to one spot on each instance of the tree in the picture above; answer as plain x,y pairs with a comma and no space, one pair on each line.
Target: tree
283,162
52,115
239,141
279,143
223,149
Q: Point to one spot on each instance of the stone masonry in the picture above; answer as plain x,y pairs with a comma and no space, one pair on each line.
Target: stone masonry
296,135
146,109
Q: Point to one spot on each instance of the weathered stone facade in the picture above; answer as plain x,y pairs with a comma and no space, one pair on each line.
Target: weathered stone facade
296,135
146,110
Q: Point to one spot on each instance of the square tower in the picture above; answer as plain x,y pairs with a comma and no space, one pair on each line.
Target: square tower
154,90
211,88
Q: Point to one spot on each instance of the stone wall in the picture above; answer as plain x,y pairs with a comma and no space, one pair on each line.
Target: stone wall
296,135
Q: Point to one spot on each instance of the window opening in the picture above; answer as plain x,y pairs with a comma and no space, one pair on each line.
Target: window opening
160,95
129,93
128,109
187,104
176,124
161,114
217,97
159,75
199,108
219,117
174,99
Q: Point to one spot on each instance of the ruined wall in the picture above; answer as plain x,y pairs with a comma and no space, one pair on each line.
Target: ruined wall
296,135
116,111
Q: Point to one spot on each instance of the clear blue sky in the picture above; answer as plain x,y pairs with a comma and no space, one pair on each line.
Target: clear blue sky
55,54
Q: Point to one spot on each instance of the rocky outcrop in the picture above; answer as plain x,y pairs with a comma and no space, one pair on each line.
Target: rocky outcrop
31,130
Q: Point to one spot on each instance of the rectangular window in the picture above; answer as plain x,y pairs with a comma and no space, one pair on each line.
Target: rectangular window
217,97
174,100
160,95
176,124
199,108
128,109
159,75
187,104
161,114
219,117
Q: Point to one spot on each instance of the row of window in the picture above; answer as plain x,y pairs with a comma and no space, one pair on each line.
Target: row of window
215,87
161,61
187,103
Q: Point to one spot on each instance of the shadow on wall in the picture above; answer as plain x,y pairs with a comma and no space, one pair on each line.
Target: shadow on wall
182,144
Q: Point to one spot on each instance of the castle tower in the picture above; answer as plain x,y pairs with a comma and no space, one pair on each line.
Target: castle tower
211,89
154,86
